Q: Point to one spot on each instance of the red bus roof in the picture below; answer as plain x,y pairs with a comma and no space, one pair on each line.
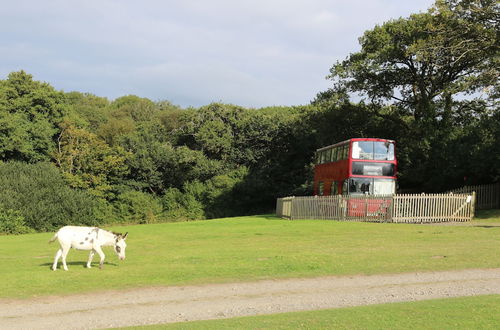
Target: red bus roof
354,139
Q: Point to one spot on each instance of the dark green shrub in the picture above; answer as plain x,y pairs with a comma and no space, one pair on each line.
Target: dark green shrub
12,222
219,195
137,207
41,196
179,206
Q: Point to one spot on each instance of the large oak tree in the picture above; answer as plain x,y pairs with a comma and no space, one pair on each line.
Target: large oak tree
424,67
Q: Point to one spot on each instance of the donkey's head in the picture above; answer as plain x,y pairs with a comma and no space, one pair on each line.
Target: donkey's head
120,245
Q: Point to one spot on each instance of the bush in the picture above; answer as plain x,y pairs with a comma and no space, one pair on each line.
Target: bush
219,195
213,198
40,195
137,207
12,222
179,206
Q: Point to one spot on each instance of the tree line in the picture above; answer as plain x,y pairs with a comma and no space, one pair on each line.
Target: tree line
429,81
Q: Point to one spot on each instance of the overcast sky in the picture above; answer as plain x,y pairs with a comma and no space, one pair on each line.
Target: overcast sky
250,53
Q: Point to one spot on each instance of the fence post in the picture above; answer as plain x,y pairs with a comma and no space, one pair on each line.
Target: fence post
473,206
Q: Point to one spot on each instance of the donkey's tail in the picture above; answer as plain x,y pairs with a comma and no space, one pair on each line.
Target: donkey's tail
53,238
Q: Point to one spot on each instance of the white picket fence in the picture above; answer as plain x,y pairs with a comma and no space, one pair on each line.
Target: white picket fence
395,208
433,208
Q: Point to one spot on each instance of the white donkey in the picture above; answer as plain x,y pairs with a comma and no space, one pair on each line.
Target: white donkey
87,238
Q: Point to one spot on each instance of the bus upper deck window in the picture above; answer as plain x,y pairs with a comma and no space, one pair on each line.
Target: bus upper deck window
346,151
383,151
373,150
356,150
362,150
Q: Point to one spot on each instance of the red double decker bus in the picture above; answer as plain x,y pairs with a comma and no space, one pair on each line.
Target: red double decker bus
361,166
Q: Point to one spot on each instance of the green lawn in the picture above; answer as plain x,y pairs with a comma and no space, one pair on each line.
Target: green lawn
481,312
248,248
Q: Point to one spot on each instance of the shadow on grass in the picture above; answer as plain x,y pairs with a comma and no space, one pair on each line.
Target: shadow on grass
269,217
487,214
77,263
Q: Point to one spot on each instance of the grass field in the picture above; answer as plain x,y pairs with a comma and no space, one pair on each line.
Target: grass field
482,312
249,248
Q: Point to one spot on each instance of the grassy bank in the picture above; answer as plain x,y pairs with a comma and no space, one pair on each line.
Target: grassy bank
247,248
482,312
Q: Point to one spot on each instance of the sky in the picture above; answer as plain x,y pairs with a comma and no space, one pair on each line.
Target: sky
250,53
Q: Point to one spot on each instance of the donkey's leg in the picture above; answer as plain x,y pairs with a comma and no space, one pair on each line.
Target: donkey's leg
91,255
65,250
101,254
56,259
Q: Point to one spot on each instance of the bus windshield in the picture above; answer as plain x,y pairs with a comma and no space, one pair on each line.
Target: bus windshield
370,186
373,150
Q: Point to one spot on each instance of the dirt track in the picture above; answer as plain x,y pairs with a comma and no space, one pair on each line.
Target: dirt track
176,304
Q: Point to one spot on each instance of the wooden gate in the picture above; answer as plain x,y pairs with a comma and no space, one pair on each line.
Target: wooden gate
432,208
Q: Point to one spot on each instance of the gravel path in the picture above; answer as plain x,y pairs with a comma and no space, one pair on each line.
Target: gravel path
187,303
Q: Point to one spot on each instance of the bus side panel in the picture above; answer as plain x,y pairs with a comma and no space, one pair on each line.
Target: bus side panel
367,207
329,172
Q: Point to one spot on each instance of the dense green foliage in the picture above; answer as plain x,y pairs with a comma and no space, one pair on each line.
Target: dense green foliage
29,114
36,195
438,73
430,82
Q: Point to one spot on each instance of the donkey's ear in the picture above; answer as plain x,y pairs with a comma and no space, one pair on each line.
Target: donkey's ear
125,236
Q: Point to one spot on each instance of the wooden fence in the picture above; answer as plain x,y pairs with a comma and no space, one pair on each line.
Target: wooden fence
395,208
487,196
433,208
